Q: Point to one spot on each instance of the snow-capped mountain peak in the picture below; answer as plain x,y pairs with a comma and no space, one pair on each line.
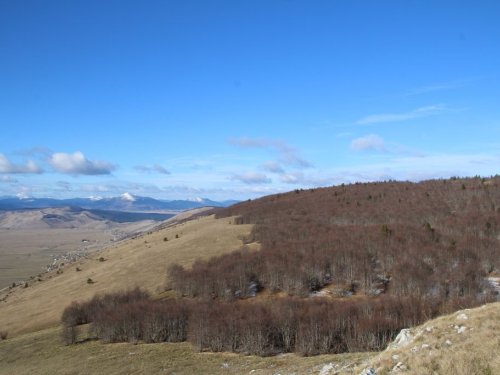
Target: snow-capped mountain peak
127,197
198,200
92,198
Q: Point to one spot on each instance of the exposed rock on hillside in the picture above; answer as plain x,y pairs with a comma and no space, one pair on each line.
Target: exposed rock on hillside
444,346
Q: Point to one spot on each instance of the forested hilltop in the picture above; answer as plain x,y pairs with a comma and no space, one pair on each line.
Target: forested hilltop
384,256
435,238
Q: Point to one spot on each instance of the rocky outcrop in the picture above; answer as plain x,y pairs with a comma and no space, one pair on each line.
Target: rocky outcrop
403,338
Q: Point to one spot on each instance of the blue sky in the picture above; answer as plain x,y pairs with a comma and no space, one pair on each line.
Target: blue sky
239,99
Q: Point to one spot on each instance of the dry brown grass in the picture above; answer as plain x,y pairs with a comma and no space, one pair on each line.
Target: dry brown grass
474,351
142,261
43,353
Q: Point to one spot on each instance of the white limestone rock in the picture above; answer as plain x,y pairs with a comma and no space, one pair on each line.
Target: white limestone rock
403,338
327,369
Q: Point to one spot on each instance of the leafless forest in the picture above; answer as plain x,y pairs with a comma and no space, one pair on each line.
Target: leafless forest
391,254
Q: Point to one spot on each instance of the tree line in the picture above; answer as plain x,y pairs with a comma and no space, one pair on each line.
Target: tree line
307,327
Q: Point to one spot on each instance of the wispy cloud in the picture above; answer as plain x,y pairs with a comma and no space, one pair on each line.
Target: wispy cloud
7,166
288,154
423,90
64,185
34,151
78,164
391,117
273,167
369,142
414,168
8,179
154,168
89,188
251,178
292,178
431,88
344,134
183,189
373,142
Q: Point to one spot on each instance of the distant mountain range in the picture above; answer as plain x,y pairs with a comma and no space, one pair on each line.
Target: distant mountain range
126,202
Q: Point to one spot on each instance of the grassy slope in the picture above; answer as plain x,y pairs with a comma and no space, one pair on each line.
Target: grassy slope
142,261
474,351
43,353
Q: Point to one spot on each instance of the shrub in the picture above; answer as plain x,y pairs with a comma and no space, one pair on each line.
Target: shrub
4,334
90,281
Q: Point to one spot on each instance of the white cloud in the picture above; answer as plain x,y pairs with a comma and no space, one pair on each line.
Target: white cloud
78,164
416,113
251,178
8,179
7,166
273,167
369,142
288,154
